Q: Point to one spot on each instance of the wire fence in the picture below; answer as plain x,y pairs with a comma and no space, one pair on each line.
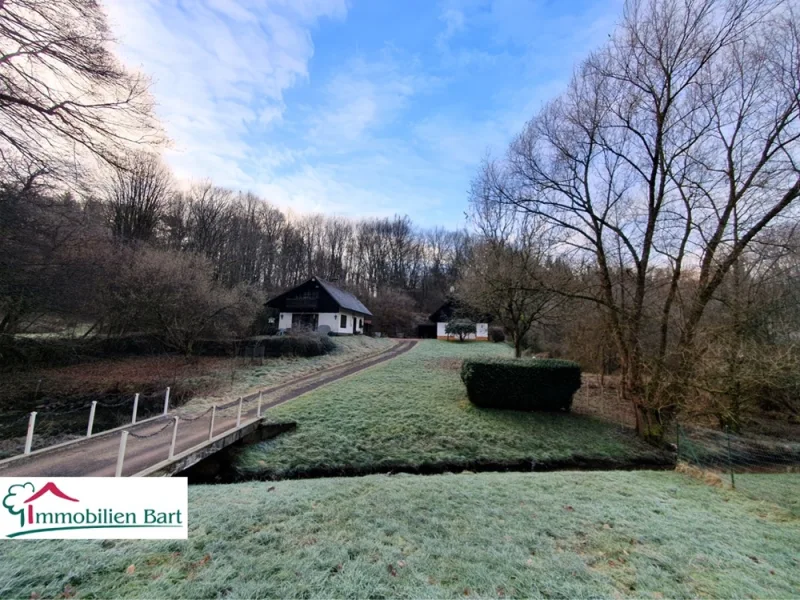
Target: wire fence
726,454
600,397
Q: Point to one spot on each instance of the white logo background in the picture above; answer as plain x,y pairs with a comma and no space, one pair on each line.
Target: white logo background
106,508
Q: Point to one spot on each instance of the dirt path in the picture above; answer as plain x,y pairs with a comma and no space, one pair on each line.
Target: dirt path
148,443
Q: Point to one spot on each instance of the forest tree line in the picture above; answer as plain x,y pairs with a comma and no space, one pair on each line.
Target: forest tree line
143,252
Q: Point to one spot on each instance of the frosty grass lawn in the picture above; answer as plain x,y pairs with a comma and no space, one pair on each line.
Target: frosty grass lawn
285,369
565,535
412,413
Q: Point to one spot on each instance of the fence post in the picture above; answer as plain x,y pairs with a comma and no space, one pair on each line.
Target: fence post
123,442
258,410
174,437
29,437
135,407
211,425
239,413
730,457
166,402
91,419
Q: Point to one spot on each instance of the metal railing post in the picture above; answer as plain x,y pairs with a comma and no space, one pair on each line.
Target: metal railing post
174,438
258,410
211,425
239,413
91,419
123,442
166,402
135,407
29,436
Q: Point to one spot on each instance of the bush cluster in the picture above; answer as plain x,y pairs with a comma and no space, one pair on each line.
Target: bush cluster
304,344
55,352
521,384
496,334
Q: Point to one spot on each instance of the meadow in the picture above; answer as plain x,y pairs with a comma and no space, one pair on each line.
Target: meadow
515,535
412,414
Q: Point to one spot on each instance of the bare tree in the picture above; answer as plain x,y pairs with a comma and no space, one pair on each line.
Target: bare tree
394,312
137,197
750,353
509,275
175,297
50,247
63,91
684,124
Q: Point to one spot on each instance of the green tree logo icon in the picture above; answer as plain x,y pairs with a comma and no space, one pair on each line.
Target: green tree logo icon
14,502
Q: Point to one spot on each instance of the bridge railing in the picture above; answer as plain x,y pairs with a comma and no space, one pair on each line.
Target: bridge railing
217,414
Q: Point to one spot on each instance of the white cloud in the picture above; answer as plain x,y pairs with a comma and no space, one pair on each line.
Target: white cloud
366,143
365,96
454,21
220,71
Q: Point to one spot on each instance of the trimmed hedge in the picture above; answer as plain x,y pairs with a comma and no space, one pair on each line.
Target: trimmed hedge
521,384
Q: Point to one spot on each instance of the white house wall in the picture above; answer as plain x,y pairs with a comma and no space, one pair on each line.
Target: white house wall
332,320
329,319
348,328
481,332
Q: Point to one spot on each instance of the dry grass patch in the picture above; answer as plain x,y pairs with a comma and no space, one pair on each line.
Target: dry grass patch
707,477
449,364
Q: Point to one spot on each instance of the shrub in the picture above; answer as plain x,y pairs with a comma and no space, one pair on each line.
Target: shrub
266,322
177,297
460,327
521,384
304,344
496,334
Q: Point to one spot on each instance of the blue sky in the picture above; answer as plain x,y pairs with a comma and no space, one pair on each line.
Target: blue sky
352,107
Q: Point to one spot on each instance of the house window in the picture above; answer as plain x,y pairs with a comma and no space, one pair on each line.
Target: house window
343,323
361,323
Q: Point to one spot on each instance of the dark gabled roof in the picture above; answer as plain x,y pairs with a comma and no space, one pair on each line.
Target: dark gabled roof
338,297
345,299
454,308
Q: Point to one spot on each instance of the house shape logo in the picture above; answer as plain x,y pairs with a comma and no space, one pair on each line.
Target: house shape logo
22,496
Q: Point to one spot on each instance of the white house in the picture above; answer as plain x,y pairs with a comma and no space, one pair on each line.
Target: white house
321,306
